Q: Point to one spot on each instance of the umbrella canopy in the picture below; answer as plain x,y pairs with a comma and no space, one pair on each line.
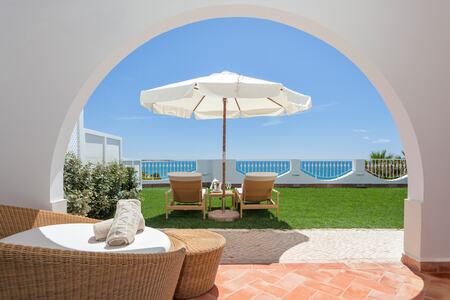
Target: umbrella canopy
203,98
224,95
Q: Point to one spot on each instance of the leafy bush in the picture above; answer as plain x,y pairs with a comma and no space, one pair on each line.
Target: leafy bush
93,190
77,185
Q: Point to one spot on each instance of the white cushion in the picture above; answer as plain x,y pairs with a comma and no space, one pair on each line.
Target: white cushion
80,237
261,176
185,176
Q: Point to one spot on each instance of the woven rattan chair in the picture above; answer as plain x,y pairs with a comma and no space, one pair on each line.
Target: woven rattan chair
40,273
204,250
257,192
16,219
185,193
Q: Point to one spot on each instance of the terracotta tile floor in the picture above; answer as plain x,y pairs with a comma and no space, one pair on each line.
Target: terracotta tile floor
363,280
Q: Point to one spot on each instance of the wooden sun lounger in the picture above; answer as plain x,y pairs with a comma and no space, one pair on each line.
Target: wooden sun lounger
257,192
185,193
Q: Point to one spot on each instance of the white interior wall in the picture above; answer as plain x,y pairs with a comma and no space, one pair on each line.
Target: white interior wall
54,55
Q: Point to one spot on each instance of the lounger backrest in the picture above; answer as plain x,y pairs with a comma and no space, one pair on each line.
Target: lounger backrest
186,187
258,186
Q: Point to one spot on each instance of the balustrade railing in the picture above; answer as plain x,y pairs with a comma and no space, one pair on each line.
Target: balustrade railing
387,168
326,169
278,166
157,170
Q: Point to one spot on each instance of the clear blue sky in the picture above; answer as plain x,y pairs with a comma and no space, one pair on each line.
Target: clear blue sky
348,119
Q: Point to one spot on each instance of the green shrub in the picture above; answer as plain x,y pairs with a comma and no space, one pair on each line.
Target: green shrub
93,190
77,185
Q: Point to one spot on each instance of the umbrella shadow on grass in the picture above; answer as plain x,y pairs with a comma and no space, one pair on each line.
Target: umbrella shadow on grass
257,219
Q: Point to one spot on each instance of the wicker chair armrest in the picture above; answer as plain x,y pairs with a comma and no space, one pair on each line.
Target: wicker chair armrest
41,273
67,218
16,219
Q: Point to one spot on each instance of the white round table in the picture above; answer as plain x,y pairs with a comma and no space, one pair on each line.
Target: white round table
80,237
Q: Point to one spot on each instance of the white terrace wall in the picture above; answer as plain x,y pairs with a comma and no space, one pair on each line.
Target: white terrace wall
94,146
54,54
100,147
212,168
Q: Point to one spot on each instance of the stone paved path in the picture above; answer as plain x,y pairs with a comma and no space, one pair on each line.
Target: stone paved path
316,245
353,280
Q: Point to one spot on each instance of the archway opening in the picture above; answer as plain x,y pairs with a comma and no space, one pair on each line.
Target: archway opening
415,188
336,74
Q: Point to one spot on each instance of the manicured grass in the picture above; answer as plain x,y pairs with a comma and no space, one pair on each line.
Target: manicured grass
299,208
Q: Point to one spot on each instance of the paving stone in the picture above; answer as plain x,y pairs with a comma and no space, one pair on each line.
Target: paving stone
320,264
359,246
377,280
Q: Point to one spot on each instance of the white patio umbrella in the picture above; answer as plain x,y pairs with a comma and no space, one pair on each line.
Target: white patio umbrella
224,95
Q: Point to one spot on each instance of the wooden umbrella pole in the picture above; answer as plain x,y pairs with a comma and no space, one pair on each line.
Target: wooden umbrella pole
224,151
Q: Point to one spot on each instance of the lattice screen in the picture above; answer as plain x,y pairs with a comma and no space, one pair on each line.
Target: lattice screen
74,143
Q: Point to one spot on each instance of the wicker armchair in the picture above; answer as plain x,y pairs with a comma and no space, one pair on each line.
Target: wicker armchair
40,273
16,219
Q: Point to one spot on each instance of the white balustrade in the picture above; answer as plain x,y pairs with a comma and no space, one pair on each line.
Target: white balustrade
296,172
387,168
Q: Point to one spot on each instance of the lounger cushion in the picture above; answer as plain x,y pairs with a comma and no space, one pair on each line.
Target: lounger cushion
261,176
239,191
185,176
258,186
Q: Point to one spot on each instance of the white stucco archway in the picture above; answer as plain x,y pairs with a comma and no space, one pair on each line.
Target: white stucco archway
75,46
415,189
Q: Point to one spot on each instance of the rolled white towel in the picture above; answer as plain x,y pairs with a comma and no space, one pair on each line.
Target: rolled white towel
125,223
101,229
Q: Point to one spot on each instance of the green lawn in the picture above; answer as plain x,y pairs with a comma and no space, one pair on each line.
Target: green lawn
299,208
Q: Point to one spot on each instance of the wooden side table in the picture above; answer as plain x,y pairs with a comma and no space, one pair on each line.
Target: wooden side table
228,193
